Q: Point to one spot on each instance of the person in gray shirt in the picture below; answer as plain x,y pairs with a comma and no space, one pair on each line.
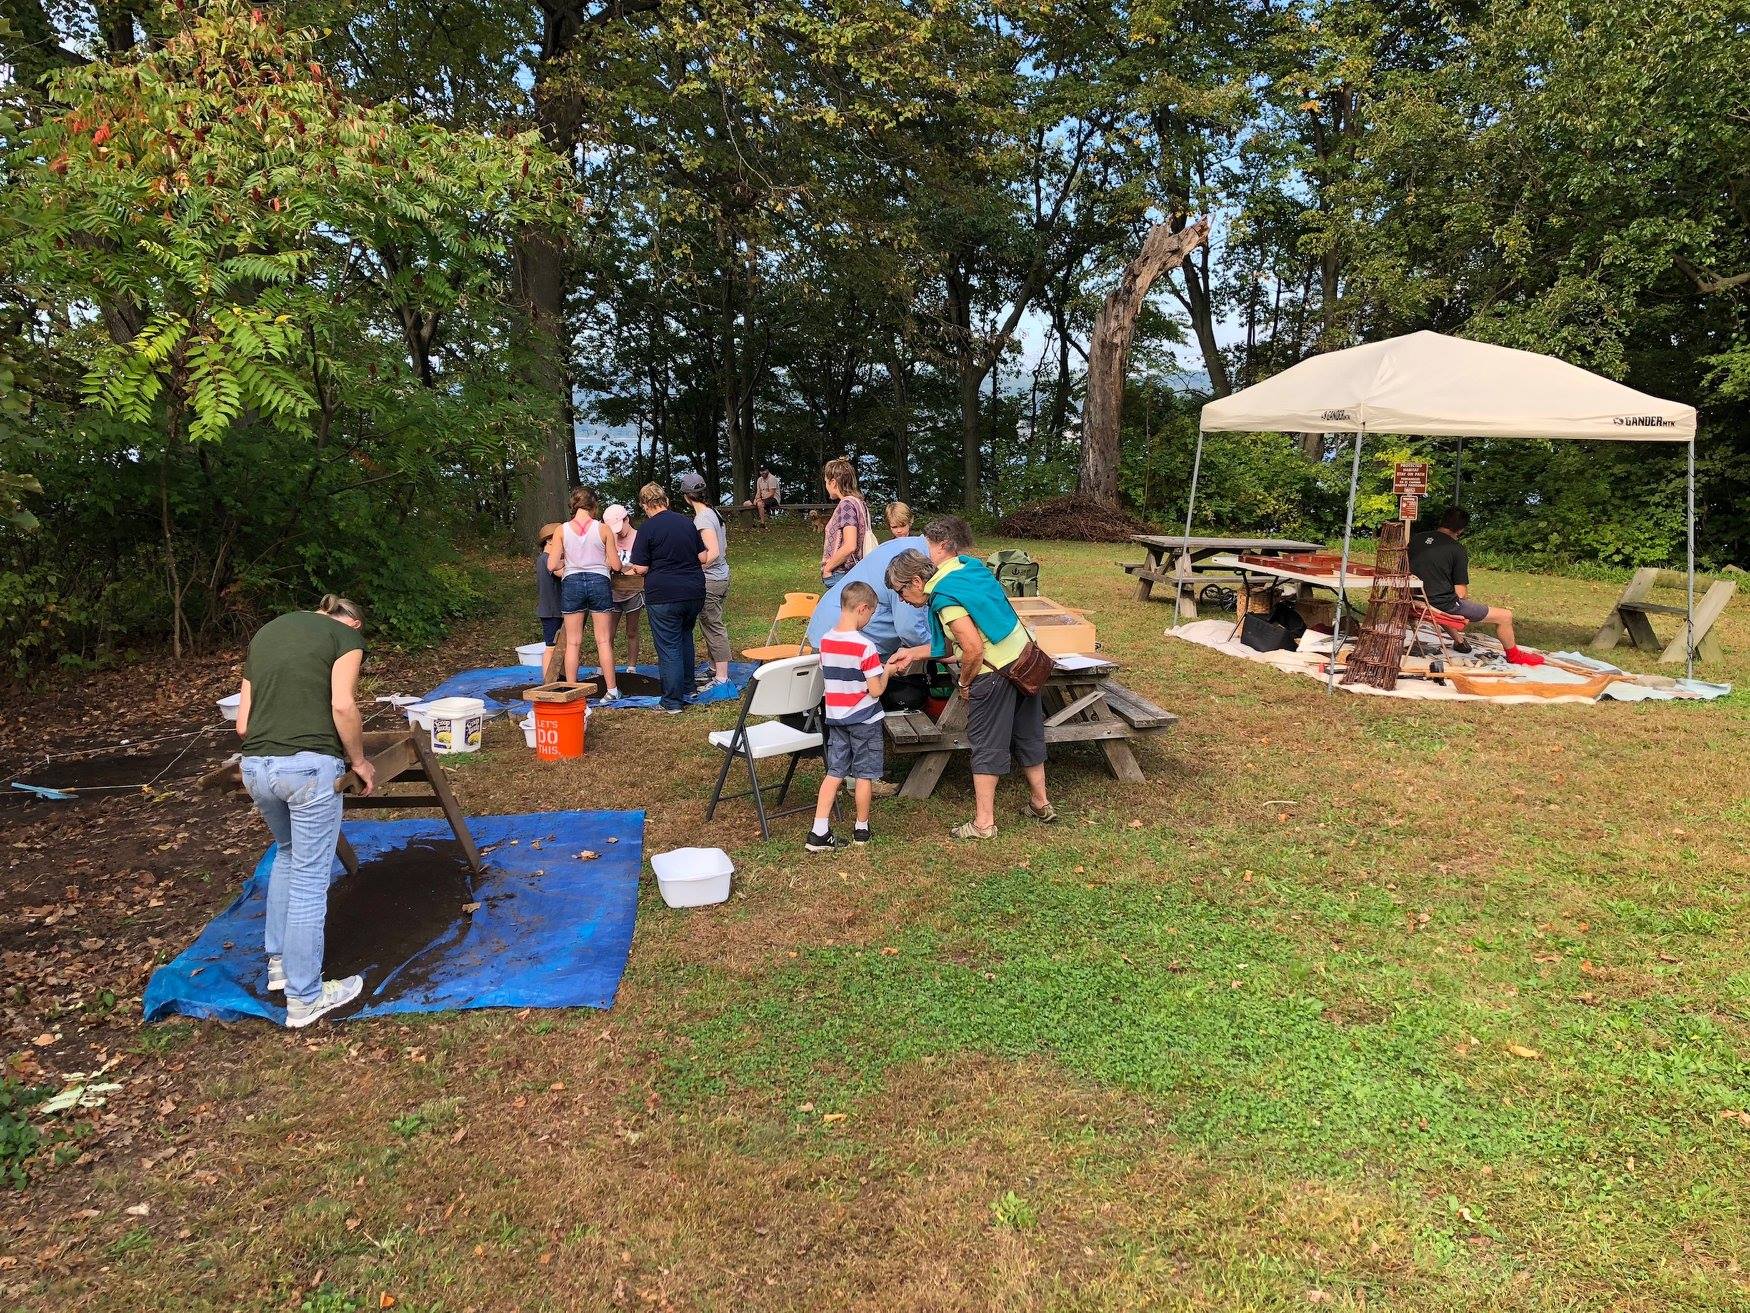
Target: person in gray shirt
710,526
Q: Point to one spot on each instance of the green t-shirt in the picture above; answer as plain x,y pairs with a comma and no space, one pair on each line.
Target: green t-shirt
289,669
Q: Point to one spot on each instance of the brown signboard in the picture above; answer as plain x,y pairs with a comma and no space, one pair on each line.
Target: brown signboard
1411,477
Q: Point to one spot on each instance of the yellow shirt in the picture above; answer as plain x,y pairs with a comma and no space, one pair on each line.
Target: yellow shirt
996,655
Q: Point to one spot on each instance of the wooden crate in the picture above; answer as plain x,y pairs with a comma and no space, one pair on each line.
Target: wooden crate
1057,629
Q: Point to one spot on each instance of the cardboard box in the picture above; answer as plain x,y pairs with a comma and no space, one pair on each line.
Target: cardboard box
1057,629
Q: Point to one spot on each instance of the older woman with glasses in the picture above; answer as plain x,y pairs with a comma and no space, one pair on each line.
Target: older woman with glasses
969,611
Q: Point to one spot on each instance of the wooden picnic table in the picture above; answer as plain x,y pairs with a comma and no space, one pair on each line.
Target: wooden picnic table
1254,574
1081,706
1189,564
800,507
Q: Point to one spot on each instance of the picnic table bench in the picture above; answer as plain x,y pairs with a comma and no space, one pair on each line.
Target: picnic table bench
1081,706
1188,565
800,507
1628,618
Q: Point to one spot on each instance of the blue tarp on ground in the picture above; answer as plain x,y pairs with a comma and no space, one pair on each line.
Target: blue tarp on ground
477,683
551,930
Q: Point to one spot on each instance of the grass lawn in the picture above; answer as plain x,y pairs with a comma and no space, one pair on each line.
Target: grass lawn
1356,1004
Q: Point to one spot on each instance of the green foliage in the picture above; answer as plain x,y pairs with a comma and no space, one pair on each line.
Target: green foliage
328,1298
1011,1211
297,379
19,1140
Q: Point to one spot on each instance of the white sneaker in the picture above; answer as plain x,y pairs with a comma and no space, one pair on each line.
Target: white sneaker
276,975
335,994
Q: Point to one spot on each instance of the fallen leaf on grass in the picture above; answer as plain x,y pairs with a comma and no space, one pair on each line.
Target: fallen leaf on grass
1317,1296
352,1224
588,855
138,1210
457,1137
557,1085
1666,957
386,1300
44,1040
833,1117
1520,1051
1735,1114
805,1107
890,952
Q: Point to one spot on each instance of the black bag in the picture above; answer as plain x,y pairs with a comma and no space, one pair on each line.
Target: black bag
1285,614
906,693
1261,635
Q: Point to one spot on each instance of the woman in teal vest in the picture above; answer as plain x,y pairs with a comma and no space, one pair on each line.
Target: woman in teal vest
969,611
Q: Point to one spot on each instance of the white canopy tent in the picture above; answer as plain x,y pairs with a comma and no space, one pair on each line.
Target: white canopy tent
1428,384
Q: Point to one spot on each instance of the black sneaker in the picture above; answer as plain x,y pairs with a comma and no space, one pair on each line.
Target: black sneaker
860,834
823,843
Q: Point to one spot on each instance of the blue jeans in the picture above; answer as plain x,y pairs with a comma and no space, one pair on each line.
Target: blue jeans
671,629
295,796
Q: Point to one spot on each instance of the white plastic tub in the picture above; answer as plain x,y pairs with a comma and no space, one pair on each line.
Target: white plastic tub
532,654
416,715
456,723
528,724
228,706
692,877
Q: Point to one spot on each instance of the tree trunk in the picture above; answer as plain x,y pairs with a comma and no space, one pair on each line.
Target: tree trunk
1203,322
1109,354
897,378
971,380
540,291
729,384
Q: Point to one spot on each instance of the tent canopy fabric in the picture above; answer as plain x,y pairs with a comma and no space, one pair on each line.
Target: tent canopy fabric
1432,384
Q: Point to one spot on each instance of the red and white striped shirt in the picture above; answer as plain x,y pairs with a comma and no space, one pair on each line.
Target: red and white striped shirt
847,662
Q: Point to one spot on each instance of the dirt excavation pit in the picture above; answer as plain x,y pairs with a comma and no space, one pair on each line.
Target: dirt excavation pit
382,921
632,684
119,772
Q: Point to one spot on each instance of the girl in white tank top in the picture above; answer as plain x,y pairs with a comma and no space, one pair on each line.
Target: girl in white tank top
585,553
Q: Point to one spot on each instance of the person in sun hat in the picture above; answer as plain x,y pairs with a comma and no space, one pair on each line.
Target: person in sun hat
627,587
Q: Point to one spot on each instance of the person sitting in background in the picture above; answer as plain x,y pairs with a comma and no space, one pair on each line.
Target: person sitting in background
627,587
767,495
670,554
547,608
299,720
898,517
1440,561
855,749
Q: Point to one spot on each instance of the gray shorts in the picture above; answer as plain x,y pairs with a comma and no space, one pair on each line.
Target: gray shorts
1006,729
855,752
1471,610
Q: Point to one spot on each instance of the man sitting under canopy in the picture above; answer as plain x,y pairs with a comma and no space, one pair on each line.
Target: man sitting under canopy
1440,561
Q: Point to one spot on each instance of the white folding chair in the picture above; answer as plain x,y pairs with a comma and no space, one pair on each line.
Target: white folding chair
791,687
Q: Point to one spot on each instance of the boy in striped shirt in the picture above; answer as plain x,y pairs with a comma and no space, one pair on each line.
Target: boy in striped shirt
855,678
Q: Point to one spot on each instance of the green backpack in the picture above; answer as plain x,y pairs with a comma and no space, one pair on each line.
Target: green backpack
1017,572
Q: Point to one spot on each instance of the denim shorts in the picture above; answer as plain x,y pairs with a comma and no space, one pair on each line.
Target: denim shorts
582,593
855,752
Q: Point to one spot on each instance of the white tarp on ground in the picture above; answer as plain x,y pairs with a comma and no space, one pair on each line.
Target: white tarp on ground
1429,383
1219,634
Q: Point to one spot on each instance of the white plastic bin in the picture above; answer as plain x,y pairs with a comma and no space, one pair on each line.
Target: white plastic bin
228,706
528,724
692,877
456,723
532,654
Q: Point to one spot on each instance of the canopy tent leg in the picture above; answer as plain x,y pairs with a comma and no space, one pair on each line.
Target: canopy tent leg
1458,475
1689,611
1343,567
1190,505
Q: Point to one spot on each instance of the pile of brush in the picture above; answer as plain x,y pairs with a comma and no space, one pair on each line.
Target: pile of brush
1073,518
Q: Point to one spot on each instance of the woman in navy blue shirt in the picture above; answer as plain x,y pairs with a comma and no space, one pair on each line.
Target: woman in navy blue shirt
670,553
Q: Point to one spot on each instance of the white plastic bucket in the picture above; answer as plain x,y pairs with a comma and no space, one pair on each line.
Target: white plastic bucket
692,877
528,724
228,706
532,654
416,715
456,723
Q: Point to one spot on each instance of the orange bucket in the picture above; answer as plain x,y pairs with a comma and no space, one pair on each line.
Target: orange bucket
559,729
